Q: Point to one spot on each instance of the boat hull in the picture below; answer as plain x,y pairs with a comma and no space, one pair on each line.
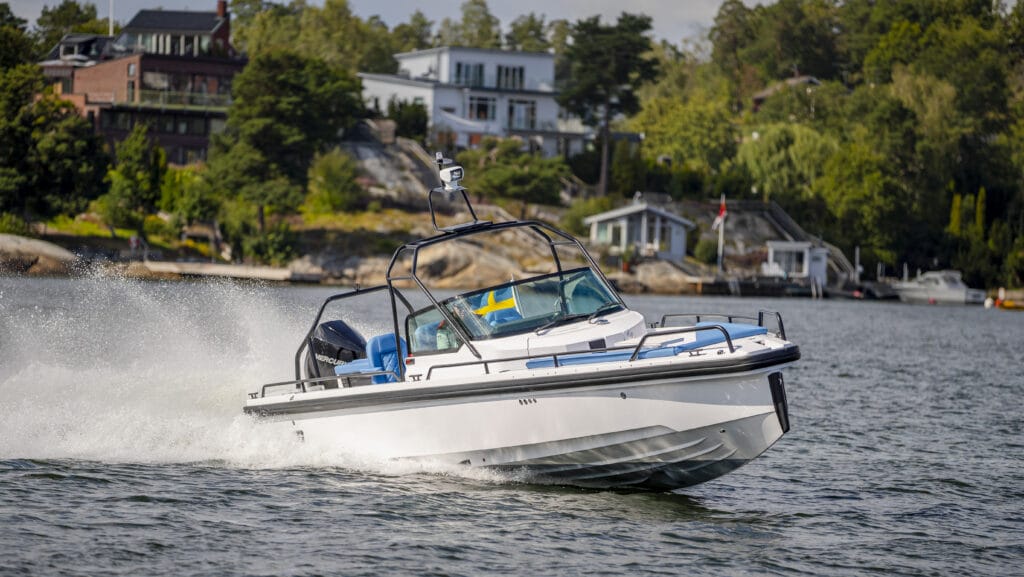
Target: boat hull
661,433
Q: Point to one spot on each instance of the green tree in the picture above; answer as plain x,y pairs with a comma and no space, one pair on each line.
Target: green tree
696,133
628,172
864,201
499,168
135,181
8,18
186,194
416,34
528,33
16,45
479,28
608,65
332,184
410,118
50,159
67,17
287,107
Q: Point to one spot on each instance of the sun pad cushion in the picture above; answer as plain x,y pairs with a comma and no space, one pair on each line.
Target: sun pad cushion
704,338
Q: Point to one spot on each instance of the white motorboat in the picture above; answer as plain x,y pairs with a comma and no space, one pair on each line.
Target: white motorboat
943,287
550,377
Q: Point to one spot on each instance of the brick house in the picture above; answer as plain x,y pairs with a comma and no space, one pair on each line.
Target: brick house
169,69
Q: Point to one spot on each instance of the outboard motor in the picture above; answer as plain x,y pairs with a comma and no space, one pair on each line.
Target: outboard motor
332,344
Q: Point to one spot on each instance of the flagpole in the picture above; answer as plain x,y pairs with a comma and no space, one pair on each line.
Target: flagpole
720,225
721,243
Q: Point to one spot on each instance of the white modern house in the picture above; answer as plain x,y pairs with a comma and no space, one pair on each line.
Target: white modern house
796,260
651,230
470,93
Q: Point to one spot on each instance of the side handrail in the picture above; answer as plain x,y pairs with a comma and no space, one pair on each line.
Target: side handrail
301,383
637,349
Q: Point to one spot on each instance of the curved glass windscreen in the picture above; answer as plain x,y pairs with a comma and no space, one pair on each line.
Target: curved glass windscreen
515,307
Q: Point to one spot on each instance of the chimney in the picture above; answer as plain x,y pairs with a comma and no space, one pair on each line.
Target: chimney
222,8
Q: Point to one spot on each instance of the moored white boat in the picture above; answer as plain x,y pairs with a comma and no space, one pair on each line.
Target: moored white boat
942,287
550,376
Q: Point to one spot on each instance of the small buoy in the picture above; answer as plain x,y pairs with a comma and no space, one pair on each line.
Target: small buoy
989,303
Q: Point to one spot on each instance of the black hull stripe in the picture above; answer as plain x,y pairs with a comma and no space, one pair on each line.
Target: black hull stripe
759,361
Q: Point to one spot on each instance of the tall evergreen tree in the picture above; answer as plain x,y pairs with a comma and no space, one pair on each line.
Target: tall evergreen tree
608,65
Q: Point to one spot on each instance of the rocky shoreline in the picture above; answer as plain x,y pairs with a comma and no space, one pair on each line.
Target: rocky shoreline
464,266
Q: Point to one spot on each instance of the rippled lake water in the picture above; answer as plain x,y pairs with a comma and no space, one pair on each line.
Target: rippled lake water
123,451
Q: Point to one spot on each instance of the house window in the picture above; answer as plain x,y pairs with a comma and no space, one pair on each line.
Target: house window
522,114
131,91
131,69
510,77
482,108
469,74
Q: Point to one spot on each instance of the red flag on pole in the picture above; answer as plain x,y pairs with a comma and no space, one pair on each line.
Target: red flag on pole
720,219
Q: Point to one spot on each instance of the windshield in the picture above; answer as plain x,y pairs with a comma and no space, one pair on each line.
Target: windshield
513,308
532,304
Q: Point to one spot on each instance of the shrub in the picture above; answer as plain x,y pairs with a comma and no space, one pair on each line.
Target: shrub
13,224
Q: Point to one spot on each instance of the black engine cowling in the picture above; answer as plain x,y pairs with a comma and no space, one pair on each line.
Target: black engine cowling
332,344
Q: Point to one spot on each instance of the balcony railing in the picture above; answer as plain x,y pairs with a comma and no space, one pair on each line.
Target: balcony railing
184,99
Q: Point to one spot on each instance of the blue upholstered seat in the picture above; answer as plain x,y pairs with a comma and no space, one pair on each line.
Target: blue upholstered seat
381,355
495,318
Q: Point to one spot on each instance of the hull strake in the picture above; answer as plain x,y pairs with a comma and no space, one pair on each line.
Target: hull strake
663,460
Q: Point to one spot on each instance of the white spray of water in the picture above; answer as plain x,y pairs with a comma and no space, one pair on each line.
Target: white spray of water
119,370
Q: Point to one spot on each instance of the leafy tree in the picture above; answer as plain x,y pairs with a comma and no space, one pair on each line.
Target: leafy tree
135,181
581,208
287,107
8,18
864,201
187,195
16,47
67,17
628,172
499,168
528,34
50,159
731,33
785,161
697,133
608,65
416,34
332,184
410,118
479,28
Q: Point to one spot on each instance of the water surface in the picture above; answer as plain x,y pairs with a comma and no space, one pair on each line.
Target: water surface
123,451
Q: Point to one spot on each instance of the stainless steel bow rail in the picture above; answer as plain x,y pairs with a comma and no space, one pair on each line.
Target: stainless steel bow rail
760,318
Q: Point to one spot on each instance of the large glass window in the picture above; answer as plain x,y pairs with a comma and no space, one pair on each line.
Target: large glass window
510,77
469,74
482,107
522,114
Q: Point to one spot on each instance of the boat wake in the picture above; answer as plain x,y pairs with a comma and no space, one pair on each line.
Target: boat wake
118,370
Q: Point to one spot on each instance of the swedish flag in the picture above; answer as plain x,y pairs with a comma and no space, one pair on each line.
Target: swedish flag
496,300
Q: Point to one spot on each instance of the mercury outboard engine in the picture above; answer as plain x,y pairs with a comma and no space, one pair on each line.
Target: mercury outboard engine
332,344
